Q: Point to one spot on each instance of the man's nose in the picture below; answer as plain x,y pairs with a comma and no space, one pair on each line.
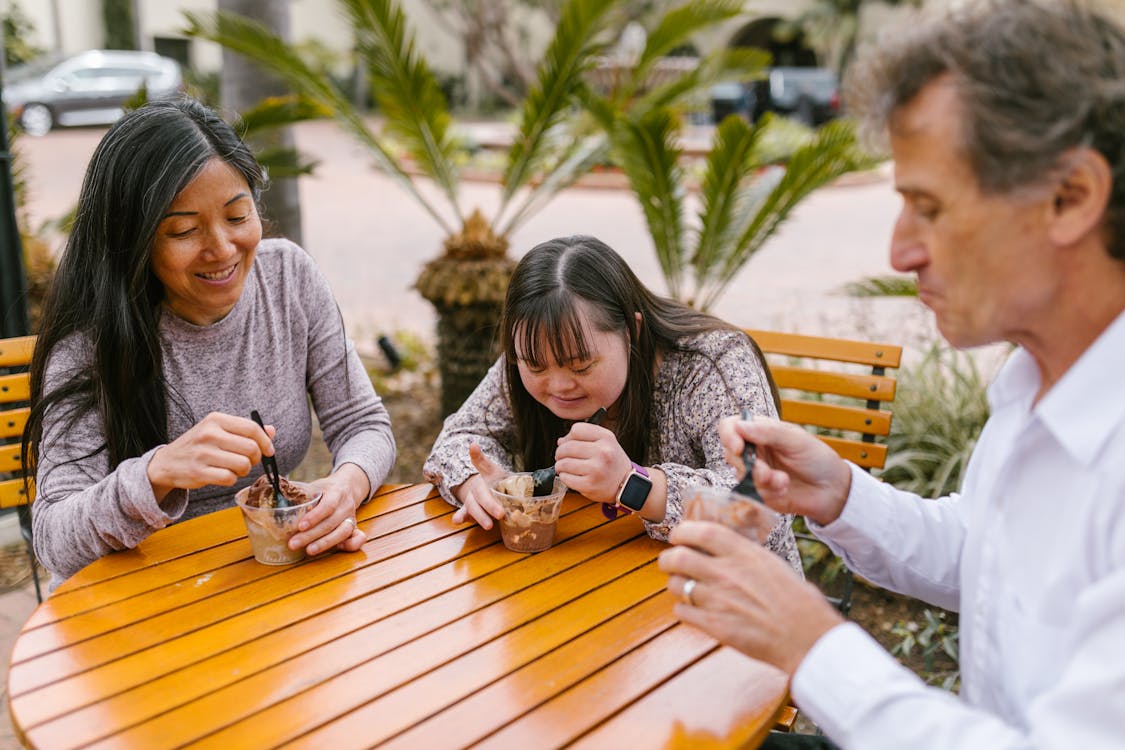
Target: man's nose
908,253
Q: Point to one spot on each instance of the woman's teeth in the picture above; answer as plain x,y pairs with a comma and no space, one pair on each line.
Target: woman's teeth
218,275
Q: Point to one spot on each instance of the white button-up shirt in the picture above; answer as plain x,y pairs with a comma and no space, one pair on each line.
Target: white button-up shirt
1032,554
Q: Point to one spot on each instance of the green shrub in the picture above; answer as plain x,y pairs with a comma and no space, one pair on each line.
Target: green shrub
939,412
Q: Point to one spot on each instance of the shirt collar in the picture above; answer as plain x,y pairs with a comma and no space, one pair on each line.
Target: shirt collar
1086,406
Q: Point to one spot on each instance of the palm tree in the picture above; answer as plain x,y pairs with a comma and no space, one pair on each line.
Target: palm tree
242,84
754,176
552,148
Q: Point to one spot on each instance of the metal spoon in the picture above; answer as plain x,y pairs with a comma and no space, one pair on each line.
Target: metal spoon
543,480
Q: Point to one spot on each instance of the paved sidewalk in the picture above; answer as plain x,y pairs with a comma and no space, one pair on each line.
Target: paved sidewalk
15,607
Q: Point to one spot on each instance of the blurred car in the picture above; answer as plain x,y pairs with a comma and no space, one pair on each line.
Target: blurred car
89,88
811,95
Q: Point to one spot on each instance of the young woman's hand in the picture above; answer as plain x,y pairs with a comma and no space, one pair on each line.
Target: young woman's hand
218,449
475,493
590,461
331,522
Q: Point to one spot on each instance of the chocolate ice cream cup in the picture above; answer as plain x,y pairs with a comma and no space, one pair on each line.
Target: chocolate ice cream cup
747,516
270,529
529,522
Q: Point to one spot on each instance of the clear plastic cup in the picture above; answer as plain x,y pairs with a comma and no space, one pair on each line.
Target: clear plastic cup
529,522
270,529
748,517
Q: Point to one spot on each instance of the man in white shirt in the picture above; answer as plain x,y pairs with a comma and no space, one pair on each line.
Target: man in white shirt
1006,121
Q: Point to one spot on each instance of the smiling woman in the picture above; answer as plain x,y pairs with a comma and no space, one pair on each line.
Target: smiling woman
169,322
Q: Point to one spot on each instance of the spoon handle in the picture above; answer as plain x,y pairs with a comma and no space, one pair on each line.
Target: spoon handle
269,466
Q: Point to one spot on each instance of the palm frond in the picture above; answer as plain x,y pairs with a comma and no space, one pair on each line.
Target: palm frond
648,152
883,286
729,162
406,90
722,65
559,78
677,26
577,161
281,162
832,153
257,43
277,111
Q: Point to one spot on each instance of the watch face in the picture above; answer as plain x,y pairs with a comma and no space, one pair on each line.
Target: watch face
635,492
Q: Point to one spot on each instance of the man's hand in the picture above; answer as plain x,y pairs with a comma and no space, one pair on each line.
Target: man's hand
795,473
744,595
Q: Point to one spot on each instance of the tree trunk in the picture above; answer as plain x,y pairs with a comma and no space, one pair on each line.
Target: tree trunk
244,84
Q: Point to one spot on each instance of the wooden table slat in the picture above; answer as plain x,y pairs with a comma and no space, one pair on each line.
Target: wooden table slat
723,679
585,705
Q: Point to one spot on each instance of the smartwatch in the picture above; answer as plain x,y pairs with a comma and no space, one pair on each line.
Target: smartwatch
634,490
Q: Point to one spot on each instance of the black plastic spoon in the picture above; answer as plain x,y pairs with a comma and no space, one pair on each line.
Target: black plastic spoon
746,487
543,480
269,466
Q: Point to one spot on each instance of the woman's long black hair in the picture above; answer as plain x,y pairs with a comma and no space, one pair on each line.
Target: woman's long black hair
541,307
104,289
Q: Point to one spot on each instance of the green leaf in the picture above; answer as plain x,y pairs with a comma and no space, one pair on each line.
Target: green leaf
568,57
282,162
276,111
648,152
883,286
575,162
722,65
729,163
406,90
832,153
257,43
677,26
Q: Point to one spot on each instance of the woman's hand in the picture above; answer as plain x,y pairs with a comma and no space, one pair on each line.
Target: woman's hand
590,461
795,472
218,449
331,522
475,493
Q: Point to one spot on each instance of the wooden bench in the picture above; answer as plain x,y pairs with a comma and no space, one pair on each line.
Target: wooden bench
15,392
839,389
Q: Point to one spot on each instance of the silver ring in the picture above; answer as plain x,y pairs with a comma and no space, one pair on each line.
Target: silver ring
688,590
350,520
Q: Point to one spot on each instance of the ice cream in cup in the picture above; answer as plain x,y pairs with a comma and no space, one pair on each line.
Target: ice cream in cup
529,521
747,516
270,527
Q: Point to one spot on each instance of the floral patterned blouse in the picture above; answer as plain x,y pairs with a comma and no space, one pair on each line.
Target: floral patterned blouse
707,377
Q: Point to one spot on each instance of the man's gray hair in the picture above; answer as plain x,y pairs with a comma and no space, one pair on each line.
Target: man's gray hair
1035,79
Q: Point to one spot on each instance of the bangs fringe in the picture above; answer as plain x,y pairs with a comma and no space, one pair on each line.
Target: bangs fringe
550,320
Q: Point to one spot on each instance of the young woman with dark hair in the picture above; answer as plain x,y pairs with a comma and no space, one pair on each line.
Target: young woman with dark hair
579,332
168,321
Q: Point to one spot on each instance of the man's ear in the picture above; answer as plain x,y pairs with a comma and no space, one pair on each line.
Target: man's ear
1081,196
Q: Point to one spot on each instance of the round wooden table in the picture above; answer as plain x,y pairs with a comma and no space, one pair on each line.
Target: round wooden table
432,635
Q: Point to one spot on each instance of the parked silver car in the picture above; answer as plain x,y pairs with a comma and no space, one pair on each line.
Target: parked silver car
89,88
